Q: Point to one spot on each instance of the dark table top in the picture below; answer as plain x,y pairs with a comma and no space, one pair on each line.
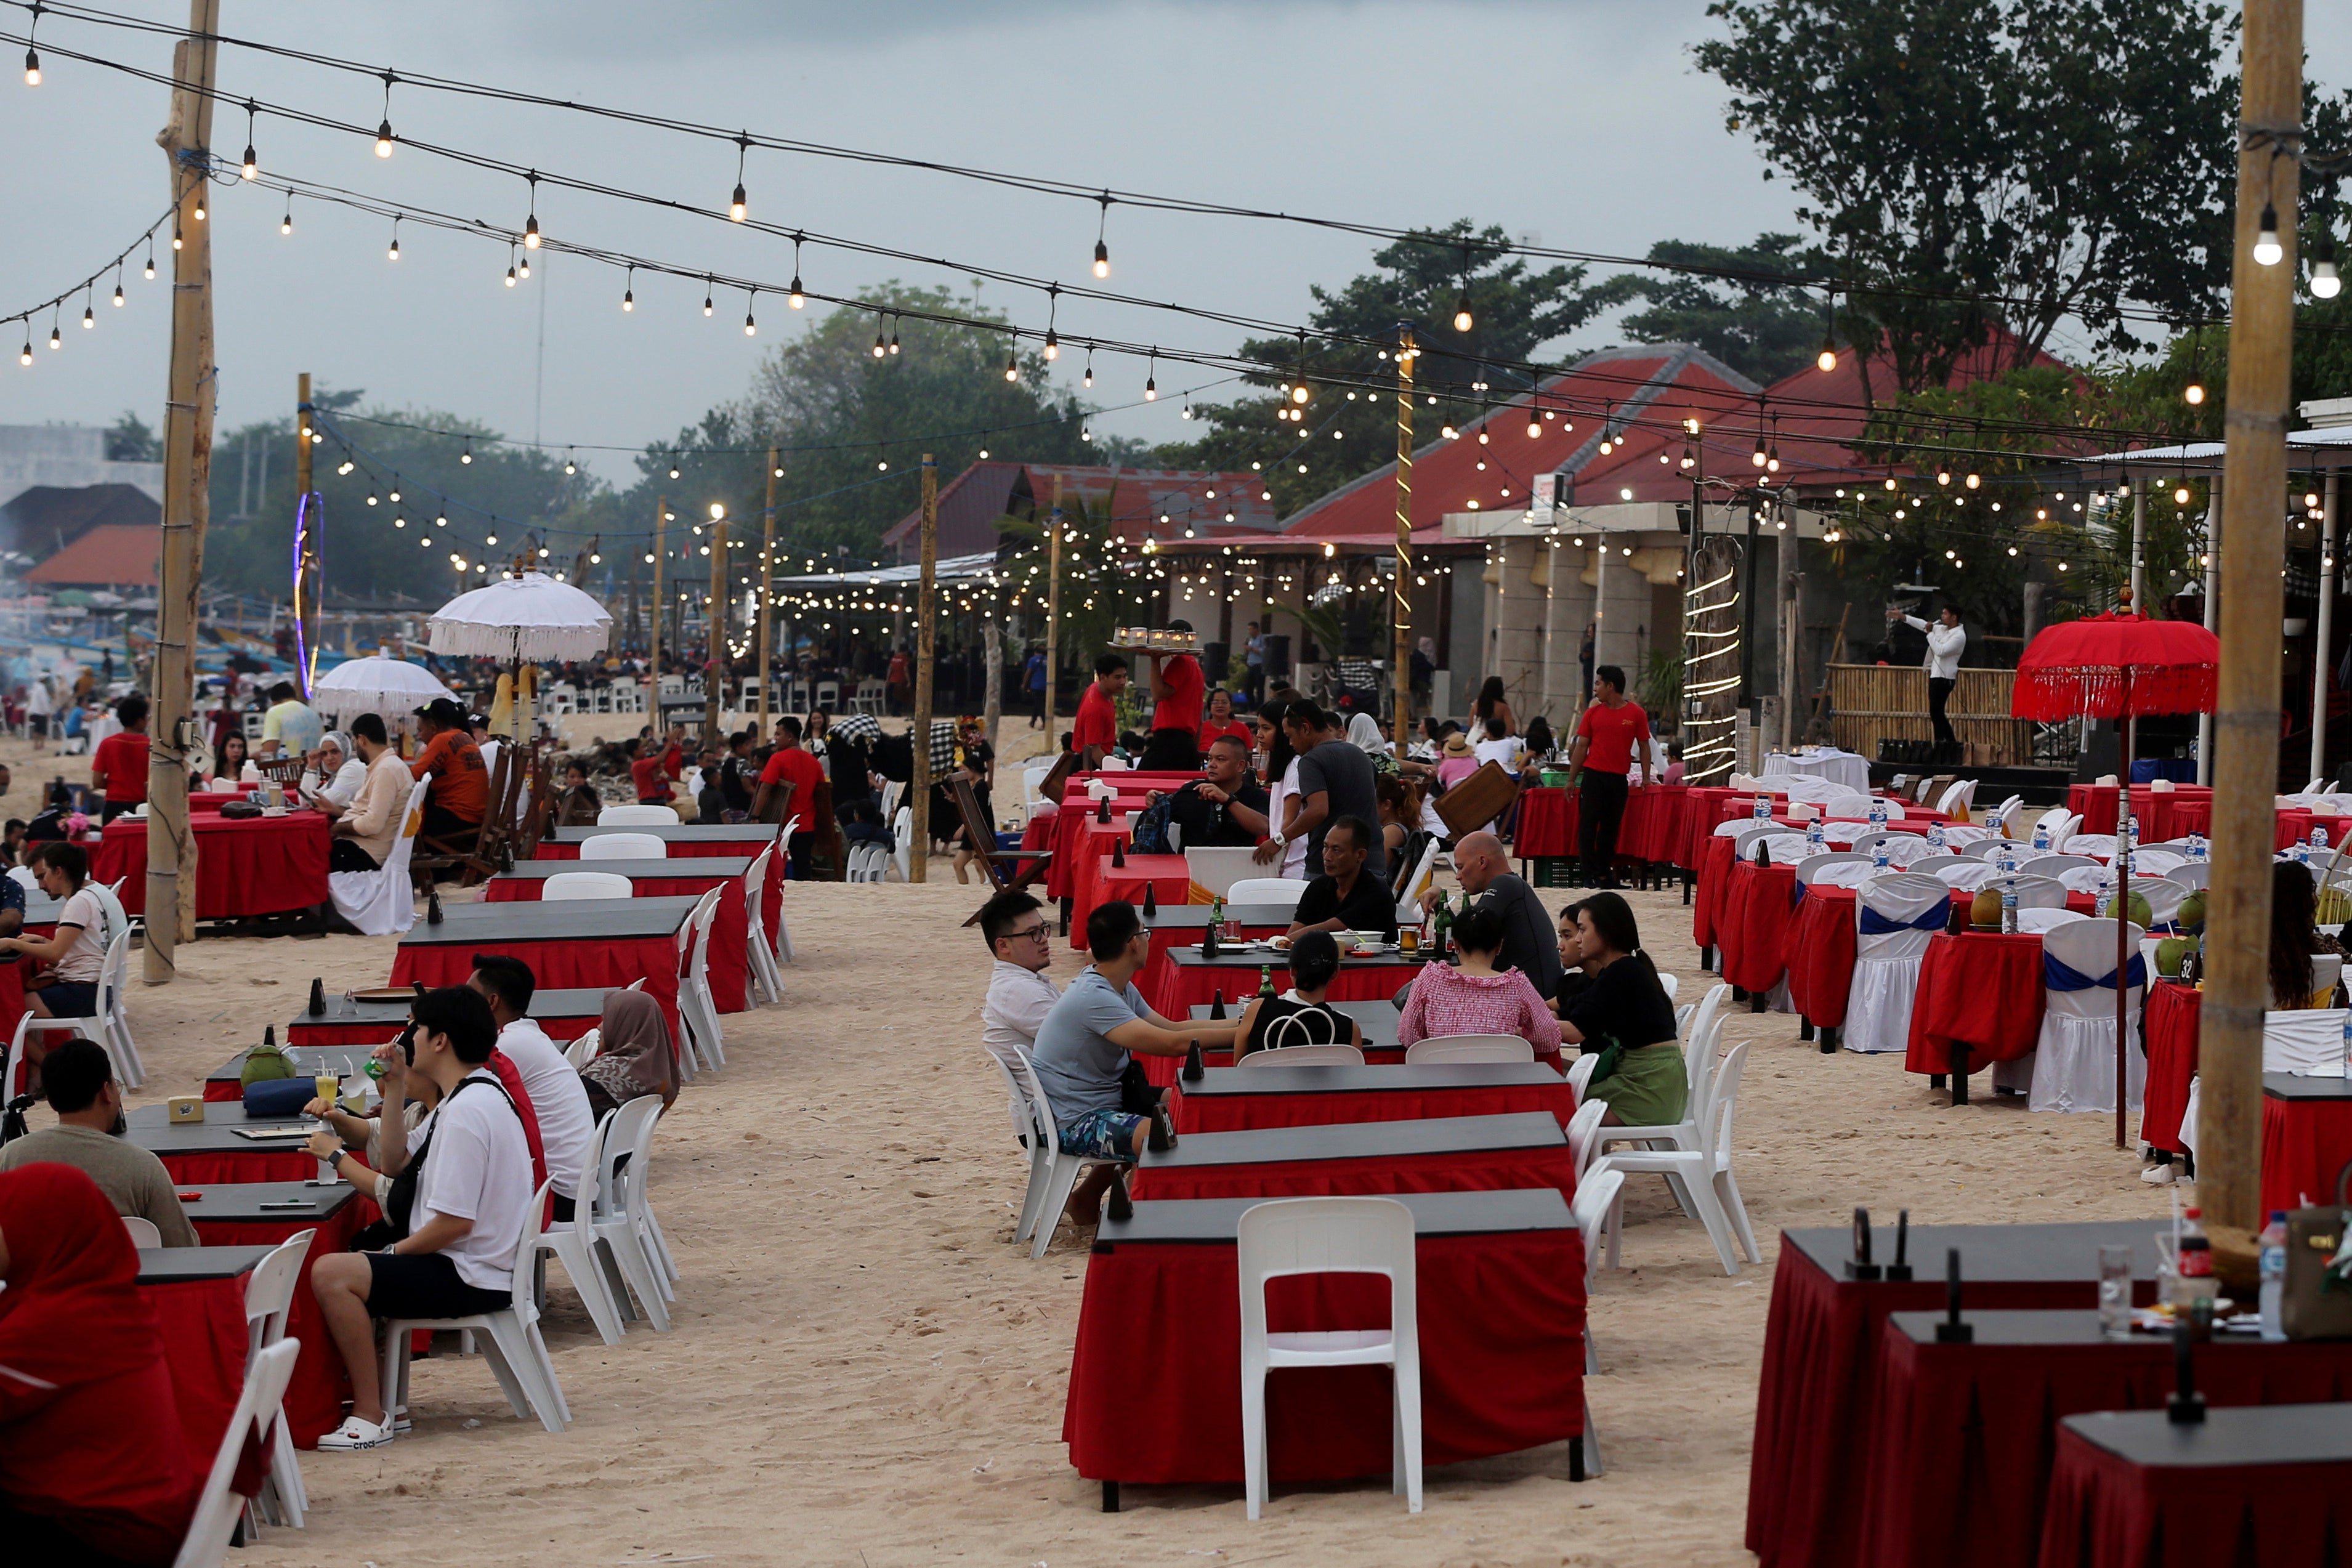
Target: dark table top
173,1265
2287,1086
2037,1328
685,865
570,1002
582,920
1215,1220
684,833
2241,1435
1195,917
1378,1020
343,1061
1362,1140
1219,1081
1261,958
2002,1252
218,1133
240,1203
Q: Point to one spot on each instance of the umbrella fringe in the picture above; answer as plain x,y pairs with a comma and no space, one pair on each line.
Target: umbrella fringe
2102,693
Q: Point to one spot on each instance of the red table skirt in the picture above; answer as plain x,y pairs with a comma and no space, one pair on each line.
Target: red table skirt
1166,938
1547,827
1501,1322
1182,986
1985,989
1820,955
290,1162
253,866
1163,1072
730,926
13,1009
2169,1027
1170,877
1253,1112
202,1323
2306,1145
1936,1500
301,1034
314,1399
2106,1512
1753,924
559,965
1483,1170
1069,826
1549,824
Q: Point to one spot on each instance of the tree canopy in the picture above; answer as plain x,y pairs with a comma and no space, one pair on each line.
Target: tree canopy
1759,321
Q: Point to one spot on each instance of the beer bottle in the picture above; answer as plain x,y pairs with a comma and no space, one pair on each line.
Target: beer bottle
1265,980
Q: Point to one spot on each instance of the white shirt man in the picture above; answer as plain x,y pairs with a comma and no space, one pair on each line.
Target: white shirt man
479,1170
559,1100
1019,994
1946,640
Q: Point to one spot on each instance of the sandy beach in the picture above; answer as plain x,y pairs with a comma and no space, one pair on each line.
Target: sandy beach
864,1368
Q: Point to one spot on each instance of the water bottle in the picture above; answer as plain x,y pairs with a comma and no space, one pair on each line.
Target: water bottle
1814,838
2041,838
2009,909
1935,836
2198,850
2195,1279
1879,857
1877,814
1763,811
2273,1257
2131,832
2318,839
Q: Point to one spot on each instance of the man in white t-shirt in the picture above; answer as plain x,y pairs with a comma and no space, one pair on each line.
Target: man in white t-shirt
469,1202
566,1125
1019,993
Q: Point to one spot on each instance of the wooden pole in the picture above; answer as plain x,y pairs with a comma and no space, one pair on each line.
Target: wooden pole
1402,677
714,667
767,591
306,611
187,141
1053,606
2246,747
661,553
926,631
2324,626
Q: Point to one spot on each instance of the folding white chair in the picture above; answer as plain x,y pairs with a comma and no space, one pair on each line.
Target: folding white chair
143,1232
100,1028
1217,868
1698,1071
1036,1147
1894,919
2052,825
268,1301
383,902
612,815
2074,1055
1283,892
566,885
218,1507
583,1051
2307,1042
766,980
2150,860
508,1337
1305,1056
1701,1177
1329,1236
696,1004
623,845
580,1249
1469,1048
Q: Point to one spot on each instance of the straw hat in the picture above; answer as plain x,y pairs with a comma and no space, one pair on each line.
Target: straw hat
1457,744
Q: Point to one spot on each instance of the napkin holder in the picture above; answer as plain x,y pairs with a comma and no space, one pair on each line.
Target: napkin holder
1860,1266
184,1110
1899,1271
1951,1330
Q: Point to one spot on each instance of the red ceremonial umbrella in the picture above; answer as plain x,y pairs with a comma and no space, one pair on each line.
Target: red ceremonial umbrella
2117,666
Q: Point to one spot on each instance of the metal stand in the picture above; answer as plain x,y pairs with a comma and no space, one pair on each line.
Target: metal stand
1110,1497
1959,1072
1829,1040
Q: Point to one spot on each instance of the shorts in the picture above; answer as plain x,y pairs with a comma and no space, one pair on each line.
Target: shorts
70,998
426,1285
1101,1135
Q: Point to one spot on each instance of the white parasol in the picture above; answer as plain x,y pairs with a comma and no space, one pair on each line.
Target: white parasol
375,684
530,618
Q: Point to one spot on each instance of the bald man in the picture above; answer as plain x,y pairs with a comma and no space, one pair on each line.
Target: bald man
1530,945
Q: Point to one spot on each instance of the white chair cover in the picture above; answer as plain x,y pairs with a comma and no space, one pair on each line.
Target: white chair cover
1843,872
1886,962
1961,838
382,902
2043,921
1856,806
2074,1057
2097,845
1910,848
2086,879
2308,1043
1966,874
1809,868
2033,892
2192,874
2157,862
2163,896
2055,865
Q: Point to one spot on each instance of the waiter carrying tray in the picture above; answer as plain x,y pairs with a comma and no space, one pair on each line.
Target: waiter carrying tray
1946,640
1179,692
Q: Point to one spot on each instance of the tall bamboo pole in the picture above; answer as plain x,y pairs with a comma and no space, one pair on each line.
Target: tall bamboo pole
714,666
926,632
767,589
661,554
2246,748
2325,626
1402,677
187,141
304,511
1052,605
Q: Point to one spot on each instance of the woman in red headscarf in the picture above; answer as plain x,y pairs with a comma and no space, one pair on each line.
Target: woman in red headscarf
93,1466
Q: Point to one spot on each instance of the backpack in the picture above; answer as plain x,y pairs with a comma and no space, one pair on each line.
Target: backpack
1151,826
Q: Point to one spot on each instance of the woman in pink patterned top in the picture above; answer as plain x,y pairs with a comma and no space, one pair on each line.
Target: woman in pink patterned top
1476,998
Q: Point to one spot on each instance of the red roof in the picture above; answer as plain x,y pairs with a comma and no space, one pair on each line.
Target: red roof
1161,502
111,556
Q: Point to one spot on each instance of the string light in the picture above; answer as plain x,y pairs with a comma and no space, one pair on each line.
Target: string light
33,56
1013,363
894,343
383,131
1151,380
1102,250
737,209
706,294
468,455
251,166
795,298
629,291
2268,251
391,255
286,224
531,223
750,327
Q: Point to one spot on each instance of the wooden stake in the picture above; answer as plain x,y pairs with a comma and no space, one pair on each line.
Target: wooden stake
2246,747
767,591
926,629
187,141
1402,613
1053,608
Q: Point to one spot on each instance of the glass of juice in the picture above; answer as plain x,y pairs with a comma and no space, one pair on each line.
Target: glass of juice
330,1087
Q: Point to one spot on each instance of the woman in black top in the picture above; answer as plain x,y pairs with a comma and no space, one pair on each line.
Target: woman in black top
1625,1015
1313,960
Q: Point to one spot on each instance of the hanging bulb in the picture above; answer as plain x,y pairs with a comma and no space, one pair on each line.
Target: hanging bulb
881,349
176,242
27,356
118,294
673,466
468,455
983,453
1461,317
394,254
569,466
2325,284
1012,367
2180,495
525,266
2268,251
394,491
894,335
1943,475
32,67
735,209
88,319
252,165
1088,379
344,466
1102,259
706,297
1053,345
1151,390
510,275
750,327
149,272
1827,359
1535,425
2193,394
384,139
796,299
54,341
286,224
629,298
530,232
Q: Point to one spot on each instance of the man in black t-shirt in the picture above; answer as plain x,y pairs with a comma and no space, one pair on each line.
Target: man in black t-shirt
1335,779
1346,897
1227,807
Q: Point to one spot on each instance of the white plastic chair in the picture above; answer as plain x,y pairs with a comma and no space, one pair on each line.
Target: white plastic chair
2307,1042
1306,1056
1469,1048
1280,891
1036,1149
1960,797
1581,1143
867,863
1699,1046
2074,1055
1329,1236
269,1300
613,816
583,1051
767,982
508,1336
218,1507
142,1231
1701,1177
1062,1168
585,884
2097,845
101,1027
1886,963
1217,868
1580,1073
624,1210
383,902
625,845
2002,818
2043,921
696,1004
578,1247
902,852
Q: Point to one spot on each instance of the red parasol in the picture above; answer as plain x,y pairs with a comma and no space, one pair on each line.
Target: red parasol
2116,665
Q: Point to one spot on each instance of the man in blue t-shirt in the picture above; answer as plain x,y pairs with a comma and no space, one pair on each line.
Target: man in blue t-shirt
1083,1045
1033,681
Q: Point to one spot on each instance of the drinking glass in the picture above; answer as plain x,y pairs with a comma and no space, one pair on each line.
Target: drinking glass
2116,1291
330,1087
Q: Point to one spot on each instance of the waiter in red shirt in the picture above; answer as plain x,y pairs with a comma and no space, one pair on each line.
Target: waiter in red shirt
1606,739
788,787
121,766
1178,693
1095,729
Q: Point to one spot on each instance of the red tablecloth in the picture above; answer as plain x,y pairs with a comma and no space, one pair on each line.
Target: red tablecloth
1652,829
12,1009
604,963
2106,1512
1936,1503
1714,861
1478,1171
730,925
1983,988
1820,955
262,1163
1754,923
1183,987
2169,1027
2163,814
301,1034
1705,806
1501,1322
770,901
1071,826
2306,1145
1814,1433
1253,1112
203,1326
1169,877
253,866
314,1399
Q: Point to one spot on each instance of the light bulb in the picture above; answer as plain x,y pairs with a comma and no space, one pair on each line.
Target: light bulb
706,304
1102,259
54,341
1151,390
1298,393
735,209
629,298
176,242
1973,481
796,299
118,295
881,349
510,275
1053,345
151,266
2194,393
530,233
1012,368
1827,359
251,165
893,338
2268,251
525,267
286,224
393,254
2180,495
1461,317
345,467
468,455
27,356
87,320
2325,284
750,327
384,139
32,67
1535,427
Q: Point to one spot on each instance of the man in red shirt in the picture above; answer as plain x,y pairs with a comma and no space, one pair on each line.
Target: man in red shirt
1095,729
1606,738
656,765
788,787
121,766
1179,692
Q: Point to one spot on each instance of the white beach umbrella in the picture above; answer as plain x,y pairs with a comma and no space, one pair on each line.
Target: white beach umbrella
529,618
375,684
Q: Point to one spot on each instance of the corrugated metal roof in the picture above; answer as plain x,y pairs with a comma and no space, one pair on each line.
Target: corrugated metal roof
1159,502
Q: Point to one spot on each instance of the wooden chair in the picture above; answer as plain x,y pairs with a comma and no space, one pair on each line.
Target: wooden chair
284,771
477,855
981,833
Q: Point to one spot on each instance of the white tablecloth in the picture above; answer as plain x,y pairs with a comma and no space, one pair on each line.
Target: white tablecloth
1840,768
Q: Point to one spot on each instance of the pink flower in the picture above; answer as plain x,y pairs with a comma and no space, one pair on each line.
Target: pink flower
78,824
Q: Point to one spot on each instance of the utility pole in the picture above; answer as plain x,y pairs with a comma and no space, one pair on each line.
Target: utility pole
2246,748
926,630
1402,677
767,589
1052,605
714,667
187,141
661,553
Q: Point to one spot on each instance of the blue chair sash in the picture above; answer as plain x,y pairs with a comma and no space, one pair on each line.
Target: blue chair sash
2058,975
1870,922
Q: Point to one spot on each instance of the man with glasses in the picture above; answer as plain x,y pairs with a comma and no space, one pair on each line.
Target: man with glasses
1019,994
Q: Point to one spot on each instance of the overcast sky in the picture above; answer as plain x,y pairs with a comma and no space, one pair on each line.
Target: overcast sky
1579,123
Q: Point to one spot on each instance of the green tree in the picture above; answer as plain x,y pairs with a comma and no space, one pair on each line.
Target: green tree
1424,279
1758,319
129,440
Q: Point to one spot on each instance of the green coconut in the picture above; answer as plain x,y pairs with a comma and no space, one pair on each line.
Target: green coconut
2136,904
2192,916
1984,910
2169,954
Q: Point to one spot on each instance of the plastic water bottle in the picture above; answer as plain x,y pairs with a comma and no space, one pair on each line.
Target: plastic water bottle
2272,1256
2319,838
1763,811
2131,832
1877,814
1878,857
1814,838
2009,909
1935,836
2042,837
2197,851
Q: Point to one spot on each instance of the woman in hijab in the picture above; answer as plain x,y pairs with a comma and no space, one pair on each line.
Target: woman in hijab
634,1056
94,1469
